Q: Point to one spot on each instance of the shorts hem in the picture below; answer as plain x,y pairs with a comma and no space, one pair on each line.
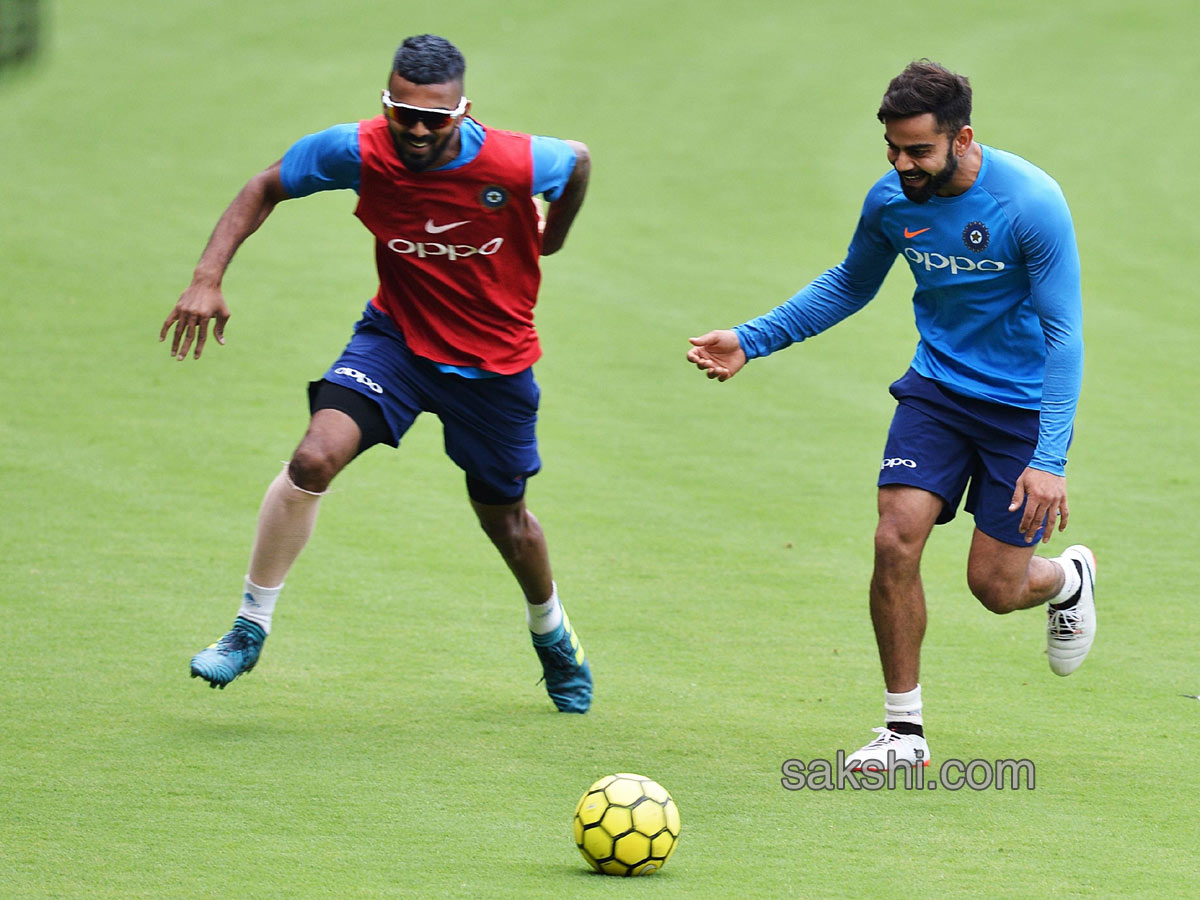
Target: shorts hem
1018,541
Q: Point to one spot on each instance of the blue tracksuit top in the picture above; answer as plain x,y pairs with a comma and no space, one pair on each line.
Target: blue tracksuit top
998,303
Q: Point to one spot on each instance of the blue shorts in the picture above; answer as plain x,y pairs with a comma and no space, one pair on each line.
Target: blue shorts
946,443
489,424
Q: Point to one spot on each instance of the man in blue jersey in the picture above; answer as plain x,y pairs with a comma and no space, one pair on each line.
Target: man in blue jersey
458,236
988,404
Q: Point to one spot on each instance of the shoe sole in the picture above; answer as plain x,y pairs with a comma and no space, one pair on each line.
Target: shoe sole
925,764
214,682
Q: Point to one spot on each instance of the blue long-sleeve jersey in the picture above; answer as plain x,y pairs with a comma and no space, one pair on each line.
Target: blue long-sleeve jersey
998,302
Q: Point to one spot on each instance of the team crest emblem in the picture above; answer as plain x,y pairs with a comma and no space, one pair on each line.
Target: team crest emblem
493,196
976,237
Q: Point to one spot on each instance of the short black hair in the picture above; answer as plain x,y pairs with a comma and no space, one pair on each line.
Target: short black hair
429,59
926,87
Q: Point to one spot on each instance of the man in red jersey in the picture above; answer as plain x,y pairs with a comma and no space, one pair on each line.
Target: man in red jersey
458,236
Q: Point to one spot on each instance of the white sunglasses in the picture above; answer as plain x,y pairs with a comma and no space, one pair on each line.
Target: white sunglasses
408,115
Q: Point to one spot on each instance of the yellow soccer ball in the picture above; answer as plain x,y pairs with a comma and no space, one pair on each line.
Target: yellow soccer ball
626,825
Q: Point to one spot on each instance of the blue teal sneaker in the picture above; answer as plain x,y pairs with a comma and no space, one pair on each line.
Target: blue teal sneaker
237,652
565,668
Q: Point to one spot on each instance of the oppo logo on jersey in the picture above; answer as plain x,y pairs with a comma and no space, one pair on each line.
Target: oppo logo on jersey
452,252
955,264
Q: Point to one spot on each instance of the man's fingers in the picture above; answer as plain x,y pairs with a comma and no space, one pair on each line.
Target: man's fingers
1062,514
1036,521
1030,528
1031,519
711,367
1018,498
1049,532
1038,515
704,339
189,334
219,328
1026,532
162,335
200,339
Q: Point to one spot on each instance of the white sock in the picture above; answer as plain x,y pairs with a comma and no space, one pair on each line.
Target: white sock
543,618
1071,579
258,604
904,707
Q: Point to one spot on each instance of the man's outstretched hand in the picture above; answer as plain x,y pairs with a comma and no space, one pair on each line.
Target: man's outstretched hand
197,305
718,354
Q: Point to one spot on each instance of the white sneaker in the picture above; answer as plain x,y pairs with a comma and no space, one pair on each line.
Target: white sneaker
898,749
1070,632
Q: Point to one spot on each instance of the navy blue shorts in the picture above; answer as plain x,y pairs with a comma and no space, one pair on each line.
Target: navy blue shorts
489,424
946,443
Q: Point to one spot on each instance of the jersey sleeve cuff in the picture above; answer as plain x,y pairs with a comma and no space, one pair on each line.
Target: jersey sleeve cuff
1053,466
745,339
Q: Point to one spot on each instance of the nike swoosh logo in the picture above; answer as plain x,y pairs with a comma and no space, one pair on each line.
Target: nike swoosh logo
438,229
907,233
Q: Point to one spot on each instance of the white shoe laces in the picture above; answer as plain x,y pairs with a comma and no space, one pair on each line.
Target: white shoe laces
886,736
1064,624
907,749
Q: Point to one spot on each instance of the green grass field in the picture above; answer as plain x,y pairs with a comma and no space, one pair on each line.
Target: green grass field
712,542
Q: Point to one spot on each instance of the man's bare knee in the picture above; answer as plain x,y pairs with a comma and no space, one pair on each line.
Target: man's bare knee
329,444
1001,576
896,547
995,594
317,460
312,468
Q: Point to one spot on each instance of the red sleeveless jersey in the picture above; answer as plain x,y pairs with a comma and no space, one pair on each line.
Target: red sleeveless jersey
457,250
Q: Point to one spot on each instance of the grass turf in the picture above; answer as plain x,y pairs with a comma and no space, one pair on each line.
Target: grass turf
712,541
